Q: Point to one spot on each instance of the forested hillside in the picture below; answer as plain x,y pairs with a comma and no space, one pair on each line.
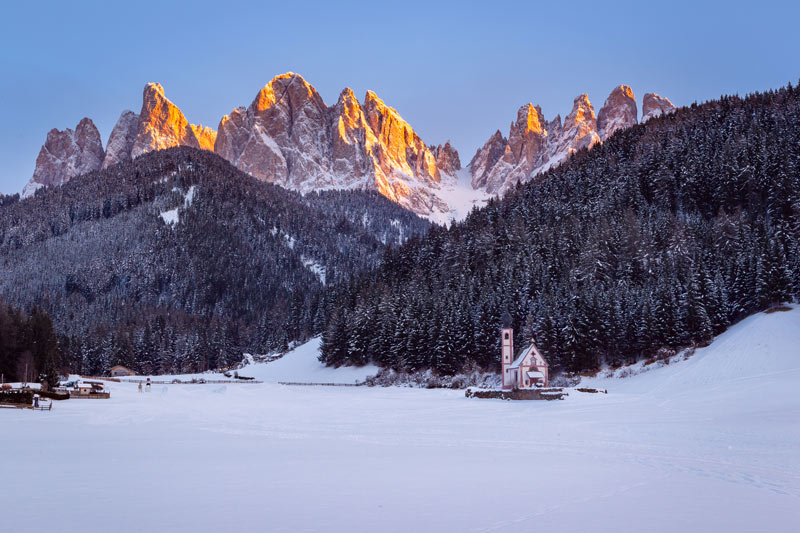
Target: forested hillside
661,237
177,261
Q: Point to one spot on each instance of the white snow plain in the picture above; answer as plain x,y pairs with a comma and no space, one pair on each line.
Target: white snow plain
707,444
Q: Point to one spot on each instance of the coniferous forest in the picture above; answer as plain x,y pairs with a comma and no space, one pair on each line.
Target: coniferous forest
179,262
662,237
29,348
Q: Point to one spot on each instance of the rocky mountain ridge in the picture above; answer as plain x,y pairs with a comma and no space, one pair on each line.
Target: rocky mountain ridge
159,125
65,154
289,136
535,145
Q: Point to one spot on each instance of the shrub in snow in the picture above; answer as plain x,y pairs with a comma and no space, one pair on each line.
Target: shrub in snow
428,379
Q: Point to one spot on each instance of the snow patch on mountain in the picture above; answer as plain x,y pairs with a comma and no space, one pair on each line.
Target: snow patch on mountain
30,189
187,200
315,268
172,216
459,195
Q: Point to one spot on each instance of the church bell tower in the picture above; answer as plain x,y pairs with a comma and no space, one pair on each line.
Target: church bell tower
507,351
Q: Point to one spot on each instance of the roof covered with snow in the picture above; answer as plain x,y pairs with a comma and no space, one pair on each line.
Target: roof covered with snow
530,350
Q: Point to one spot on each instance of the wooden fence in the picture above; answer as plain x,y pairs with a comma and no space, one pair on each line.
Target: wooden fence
306,384
189,382
15,406
48,407
101,378
90,396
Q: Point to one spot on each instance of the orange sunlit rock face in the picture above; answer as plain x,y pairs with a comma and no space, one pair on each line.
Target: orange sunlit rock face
618,112
205,135
289,136
162,125
535,145
580,128
398,149
351,142
525,150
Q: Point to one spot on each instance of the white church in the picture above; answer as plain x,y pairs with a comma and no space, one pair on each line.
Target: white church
528,370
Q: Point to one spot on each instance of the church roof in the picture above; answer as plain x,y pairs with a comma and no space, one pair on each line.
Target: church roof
521,357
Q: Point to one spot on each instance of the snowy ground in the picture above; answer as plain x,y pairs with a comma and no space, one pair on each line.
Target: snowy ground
708,444
301,365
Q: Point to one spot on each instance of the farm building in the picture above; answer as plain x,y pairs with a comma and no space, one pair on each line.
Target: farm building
89,389
528,370
119,370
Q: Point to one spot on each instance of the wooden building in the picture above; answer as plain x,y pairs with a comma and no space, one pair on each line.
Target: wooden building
119,370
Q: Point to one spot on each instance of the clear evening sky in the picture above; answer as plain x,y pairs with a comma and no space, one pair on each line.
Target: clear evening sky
454,70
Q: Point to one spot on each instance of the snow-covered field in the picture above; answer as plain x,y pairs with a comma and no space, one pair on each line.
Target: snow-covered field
301,365
707,444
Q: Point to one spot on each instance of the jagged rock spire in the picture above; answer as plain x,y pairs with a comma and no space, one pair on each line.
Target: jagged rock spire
66,154
162,125
654,105
618,112
289,136
122,138
535,145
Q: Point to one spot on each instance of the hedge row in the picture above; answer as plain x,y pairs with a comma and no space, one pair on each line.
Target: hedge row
16,396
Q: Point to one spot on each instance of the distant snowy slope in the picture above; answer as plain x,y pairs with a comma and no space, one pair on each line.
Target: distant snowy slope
762,350
458,194
302,365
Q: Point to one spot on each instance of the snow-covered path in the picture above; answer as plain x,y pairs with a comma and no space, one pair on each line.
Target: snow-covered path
708,444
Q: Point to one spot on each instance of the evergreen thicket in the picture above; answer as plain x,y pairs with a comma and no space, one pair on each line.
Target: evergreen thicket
29,349
179,262
8,199
662,237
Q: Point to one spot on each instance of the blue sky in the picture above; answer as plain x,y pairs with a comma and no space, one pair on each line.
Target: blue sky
454,70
